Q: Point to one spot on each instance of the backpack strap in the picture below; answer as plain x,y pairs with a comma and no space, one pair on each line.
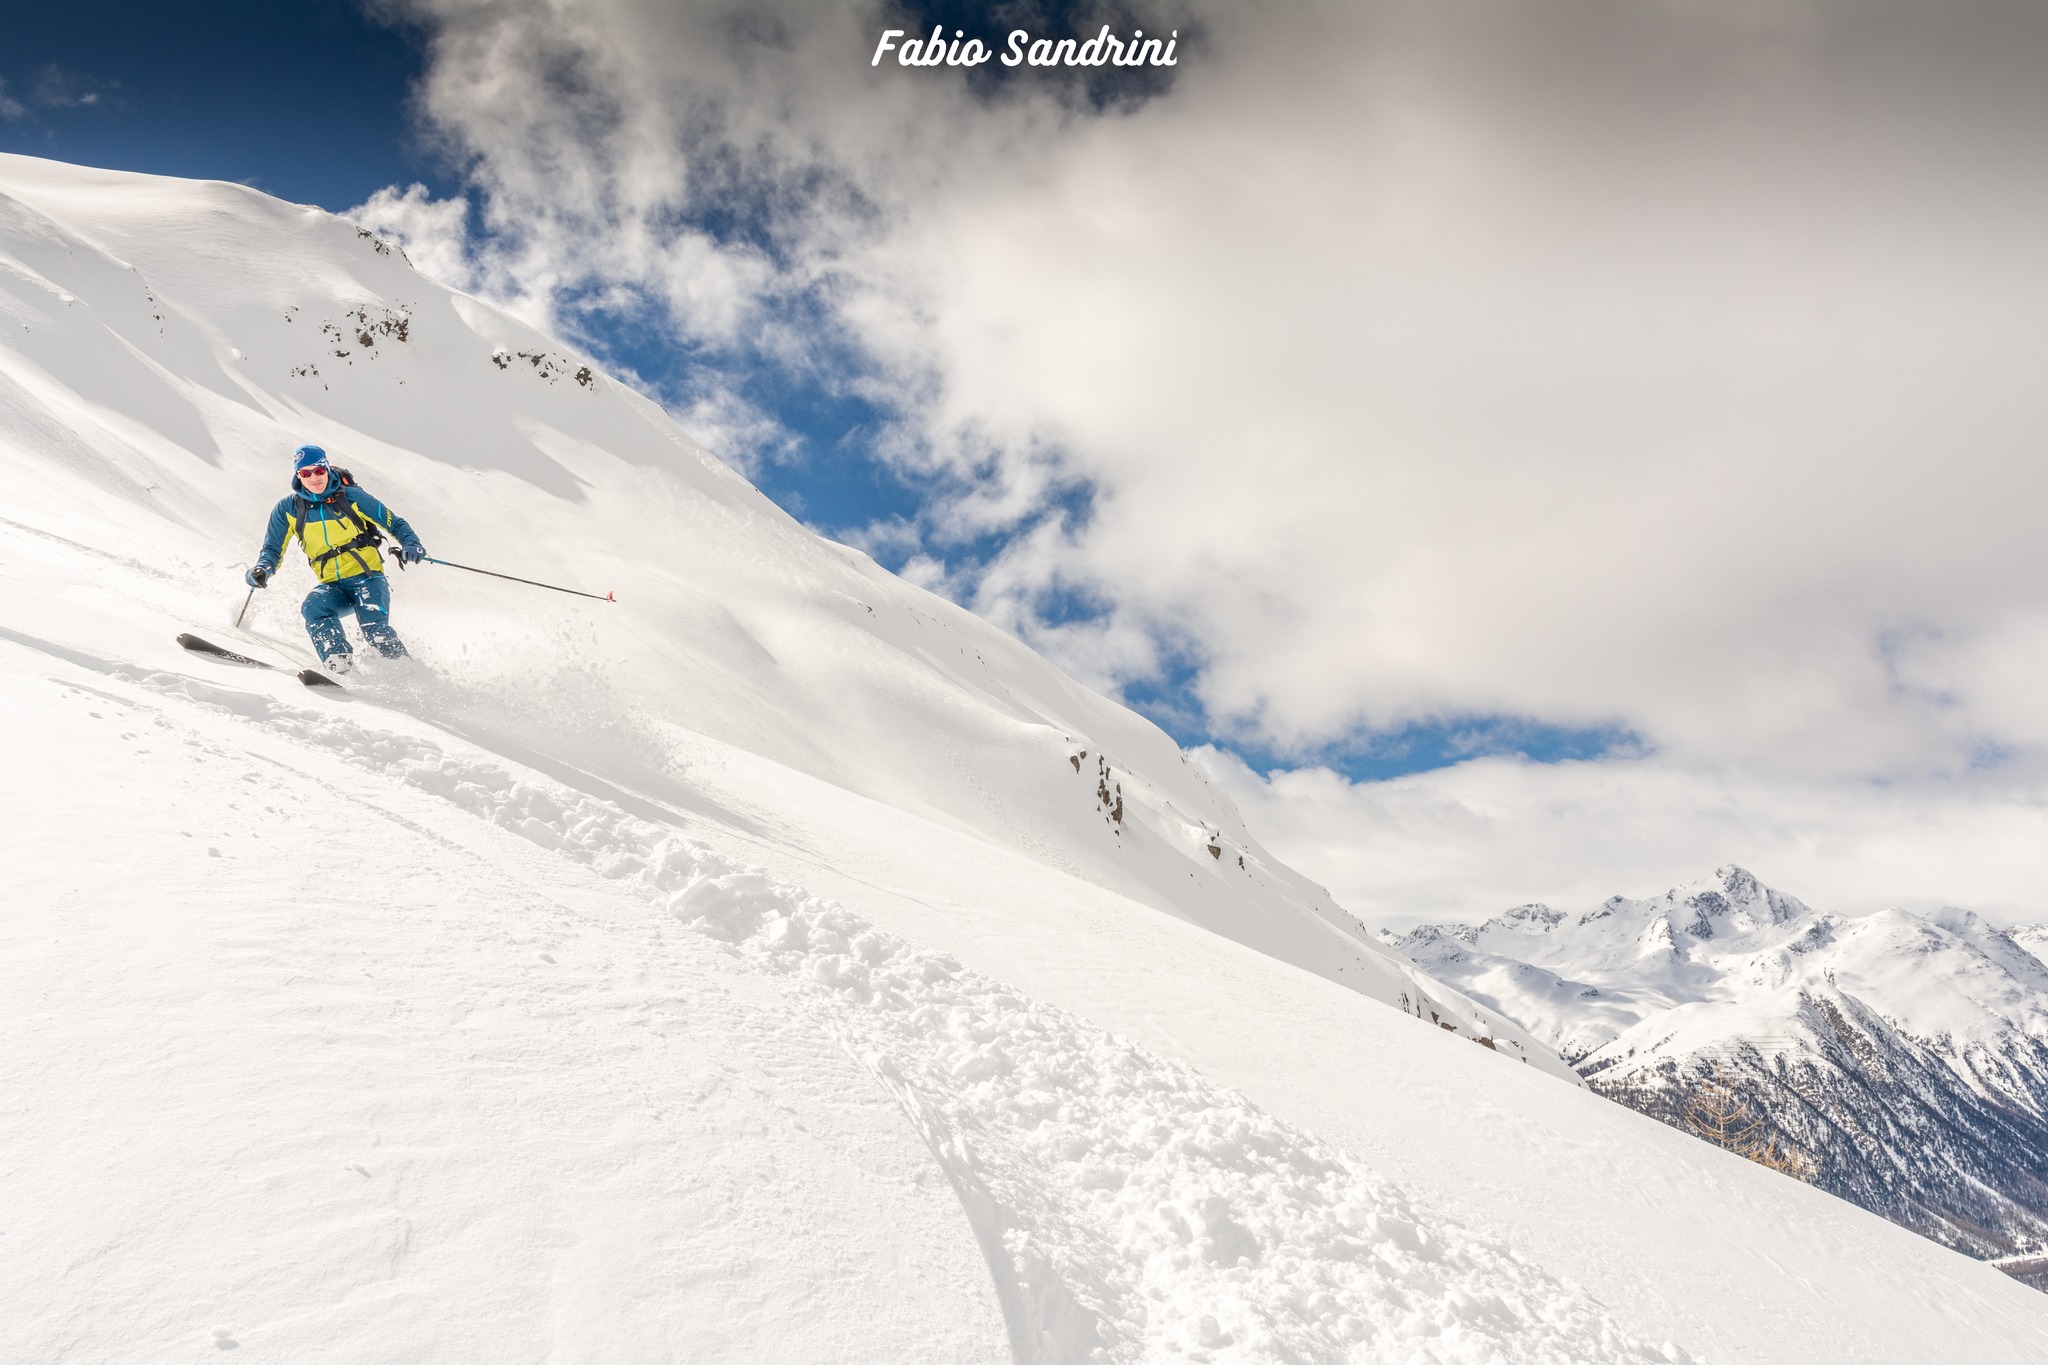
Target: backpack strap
366,537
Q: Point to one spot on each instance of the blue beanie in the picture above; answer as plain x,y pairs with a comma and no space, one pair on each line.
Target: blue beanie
305,457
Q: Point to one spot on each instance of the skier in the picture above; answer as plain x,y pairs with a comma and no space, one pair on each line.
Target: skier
336,524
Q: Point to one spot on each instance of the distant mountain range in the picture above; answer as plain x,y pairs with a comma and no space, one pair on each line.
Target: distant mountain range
1898,1060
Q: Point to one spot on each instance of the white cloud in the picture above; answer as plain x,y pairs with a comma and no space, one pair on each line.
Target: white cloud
737,431
1674,367
431,231
58,88
1468,842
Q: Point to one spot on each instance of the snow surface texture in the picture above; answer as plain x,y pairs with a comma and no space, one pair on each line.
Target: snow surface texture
1129,1209
757,970
1903,1056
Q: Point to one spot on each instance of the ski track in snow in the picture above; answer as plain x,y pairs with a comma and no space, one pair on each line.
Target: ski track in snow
1130,1210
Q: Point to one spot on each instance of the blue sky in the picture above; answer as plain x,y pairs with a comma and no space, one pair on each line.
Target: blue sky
304,99
309,100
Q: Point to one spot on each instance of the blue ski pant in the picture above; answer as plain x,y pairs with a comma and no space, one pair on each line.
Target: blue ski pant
368,595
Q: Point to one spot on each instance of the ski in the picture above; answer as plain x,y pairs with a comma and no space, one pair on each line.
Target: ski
308,676
208,647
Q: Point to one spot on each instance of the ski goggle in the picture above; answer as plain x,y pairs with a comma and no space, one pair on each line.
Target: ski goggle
313,471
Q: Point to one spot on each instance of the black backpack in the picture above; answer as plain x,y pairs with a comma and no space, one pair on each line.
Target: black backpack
366,537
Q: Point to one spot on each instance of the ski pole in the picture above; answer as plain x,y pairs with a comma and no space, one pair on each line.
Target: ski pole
531,583
245,608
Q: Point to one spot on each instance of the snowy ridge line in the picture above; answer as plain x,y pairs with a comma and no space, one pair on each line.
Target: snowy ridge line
1130,1209
1395,979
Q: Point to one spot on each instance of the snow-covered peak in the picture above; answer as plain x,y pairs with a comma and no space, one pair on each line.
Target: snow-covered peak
1674,945
1528,919
1726,939
1731,903
1948,974
1729,977
1734,897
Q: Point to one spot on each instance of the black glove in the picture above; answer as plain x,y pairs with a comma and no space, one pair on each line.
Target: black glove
258,577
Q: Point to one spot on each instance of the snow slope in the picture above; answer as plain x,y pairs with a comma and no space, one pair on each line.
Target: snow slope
755,970
164,351
1905,1056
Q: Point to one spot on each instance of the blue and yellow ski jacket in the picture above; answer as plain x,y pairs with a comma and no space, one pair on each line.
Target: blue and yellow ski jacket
336,530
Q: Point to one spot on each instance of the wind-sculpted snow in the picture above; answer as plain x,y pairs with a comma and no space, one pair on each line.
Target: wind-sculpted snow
1129,1209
